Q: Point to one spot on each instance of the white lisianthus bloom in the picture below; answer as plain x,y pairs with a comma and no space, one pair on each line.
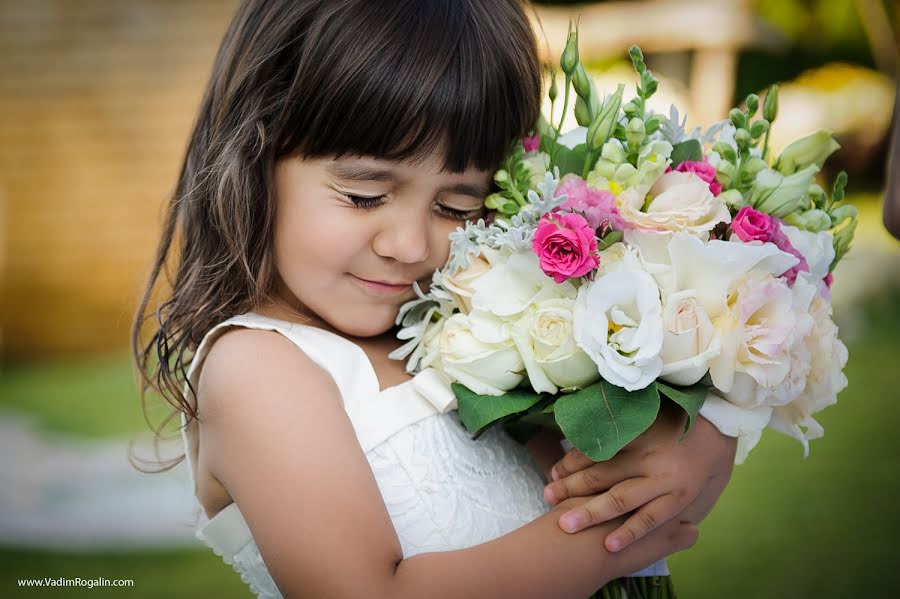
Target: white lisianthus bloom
690,341
545,340
460,282
676,202
816,248
618,323
510,287
477,350
618,256
828,356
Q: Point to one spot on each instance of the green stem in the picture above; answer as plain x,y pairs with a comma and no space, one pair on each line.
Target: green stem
562,118
765,151
588,163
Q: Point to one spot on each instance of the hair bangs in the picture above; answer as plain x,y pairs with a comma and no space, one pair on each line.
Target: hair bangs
402,79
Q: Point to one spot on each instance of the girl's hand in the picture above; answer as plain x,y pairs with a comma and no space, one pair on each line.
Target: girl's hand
654,476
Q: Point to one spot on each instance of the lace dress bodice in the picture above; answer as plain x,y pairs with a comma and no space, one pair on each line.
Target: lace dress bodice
443,490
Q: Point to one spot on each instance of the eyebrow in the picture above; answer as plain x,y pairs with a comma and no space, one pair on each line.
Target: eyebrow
362,172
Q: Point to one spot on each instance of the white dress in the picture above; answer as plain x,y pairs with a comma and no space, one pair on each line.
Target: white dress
443,490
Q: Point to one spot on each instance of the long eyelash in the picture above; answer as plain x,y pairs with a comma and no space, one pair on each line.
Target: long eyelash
372,202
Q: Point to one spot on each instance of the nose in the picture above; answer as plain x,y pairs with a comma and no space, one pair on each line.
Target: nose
406,239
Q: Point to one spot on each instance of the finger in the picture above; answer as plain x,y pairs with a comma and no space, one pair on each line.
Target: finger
650,516
596,478
621,499
572,462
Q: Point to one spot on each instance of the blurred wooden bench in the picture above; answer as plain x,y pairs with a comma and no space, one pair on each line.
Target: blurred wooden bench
714,30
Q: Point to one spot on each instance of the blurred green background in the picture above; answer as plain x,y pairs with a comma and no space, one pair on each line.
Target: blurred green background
95,107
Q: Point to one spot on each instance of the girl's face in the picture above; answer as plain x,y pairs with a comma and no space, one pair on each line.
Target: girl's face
352,234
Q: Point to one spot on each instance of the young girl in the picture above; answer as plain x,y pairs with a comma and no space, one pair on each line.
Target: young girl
338,144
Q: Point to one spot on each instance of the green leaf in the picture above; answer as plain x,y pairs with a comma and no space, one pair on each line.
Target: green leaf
571,160
688,150
478,411
689,398
602,419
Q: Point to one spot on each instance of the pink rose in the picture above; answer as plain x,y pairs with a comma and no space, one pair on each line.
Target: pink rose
704,170
829,279
566,246
596,205
753,225
784,244
533,143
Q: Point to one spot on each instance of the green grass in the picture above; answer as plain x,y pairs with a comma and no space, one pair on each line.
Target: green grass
785,527
155,574
94,397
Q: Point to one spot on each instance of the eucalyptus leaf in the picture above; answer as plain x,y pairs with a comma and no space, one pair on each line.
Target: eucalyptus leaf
689,398
602,419
478,411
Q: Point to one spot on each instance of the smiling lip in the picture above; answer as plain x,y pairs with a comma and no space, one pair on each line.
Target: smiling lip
383,287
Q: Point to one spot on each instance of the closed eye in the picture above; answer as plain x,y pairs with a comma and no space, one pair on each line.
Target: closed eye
372,202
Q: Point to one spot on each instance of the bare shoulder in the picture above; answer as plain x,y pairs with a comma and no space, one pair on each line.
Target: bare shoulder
274,432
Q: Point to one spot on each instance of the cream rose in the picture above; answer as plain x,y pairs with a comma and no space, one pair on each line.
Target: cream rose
511,286
460,282
828,357
690,340
545,340
618,323
676,202
477,350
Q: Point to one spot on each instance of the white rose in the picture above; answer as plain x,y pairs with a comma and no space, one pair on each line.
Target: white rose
460,282
510,287
760,332
689,341
477,350
677,202
828,356
618,323
816,248
545,340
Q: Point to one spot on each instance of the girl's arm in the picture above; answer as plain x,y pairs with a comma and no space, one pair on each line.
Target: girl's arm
274,433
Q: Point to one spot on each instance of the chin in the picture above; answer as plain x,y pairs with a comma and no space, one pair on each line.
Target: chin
365,327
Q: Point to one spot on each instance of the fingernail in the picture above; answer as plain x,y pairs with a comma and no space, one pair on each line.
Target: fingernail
614,544
554,474
570,522
549,497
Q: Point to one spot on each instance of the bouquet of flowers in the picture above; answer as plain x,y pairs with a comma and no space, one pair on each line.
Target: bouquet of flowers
628,262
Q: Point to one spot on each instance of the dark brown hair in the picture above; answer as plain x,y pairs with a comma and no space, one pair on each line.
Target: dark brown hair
387,78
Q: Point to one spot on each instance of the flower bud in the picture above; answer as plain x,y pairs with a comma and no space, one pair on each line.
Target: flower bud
842,213
569,58
652,124
811,220
742,139
754,165
733,199
635,132
582,113
605,122
581,82
501,177
752,103
554,90
725,150
817,195
614,152
738,118
759,128
809,150
770,105
779,195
